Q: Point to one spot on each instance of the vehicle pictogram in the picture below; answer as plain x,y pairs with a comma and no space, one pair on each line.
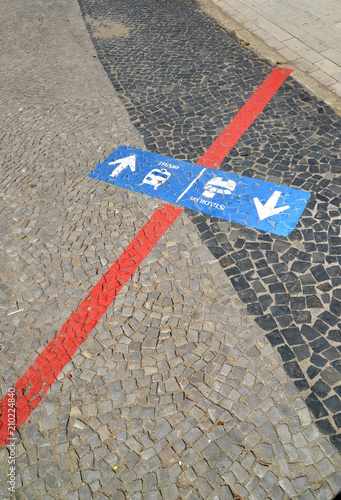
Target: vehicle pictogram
218,186
156,177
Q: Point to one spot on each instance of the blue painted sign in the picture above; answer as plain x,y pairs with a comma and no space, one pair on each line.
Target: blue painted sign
250,202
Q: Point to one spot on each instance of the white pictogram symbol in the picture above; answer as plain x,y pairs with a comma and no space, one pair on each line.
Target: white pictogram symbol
217,185
156,177
269,208
128,161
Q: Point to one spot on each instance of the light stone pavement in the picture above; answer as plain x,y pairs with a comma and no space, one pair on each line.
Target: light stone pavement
304,35
176,393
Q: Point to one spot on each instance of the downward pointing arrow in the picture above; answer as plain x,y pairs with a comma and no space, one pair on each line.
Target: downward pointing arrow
269,209
129,161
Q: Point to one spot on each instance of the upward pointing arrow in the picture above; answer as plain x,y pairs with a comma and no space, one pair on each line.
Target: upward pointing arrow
269,209
129,161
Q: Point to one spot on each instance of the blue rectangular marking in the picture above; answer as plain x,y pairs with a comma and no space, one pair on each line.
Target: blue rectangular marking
248,201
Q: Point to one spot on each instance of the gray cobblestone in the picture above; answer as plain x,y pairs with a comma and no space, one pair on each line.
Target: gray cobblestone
171,492
73,495
154,495
58,480
269,481
239,472
87,461
325,467
84,493
266,452
277,493
326,446
130,424
324,493
240,490
30,474
258,494
335,480
225,492
308,496
268,430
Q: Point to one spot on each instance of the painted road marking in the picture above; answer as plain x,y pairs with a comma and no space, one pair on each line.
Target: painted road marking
38,378
31,387
122,164
269,208
245,200
243,119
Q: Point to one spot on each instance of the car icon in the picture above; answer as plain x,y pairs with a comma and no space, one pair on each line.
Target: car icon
156,177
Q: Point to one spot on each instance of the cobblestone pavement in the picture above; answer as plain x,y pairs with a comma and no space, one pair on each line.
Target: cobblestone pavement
290,285
178,392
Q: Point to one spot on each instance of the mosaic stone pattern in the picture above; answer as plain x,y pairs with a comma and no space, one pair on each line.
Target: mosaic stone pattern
181,93
176,393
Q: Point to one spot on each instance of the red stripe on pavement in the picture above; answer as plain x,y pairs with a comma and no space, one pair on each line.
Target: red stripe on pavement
38,378
244,118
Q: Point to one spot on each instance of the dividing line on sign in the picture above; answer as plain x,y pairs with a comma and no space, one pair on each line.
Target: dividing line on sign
190,185
38,378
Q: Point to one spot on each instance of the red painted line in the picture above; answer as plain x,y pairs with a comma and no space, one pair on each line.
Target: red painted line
244,118
37,380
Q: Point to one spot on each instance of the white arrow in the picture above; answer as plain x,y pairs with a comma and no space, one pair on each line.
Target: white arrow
129,161
269,209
